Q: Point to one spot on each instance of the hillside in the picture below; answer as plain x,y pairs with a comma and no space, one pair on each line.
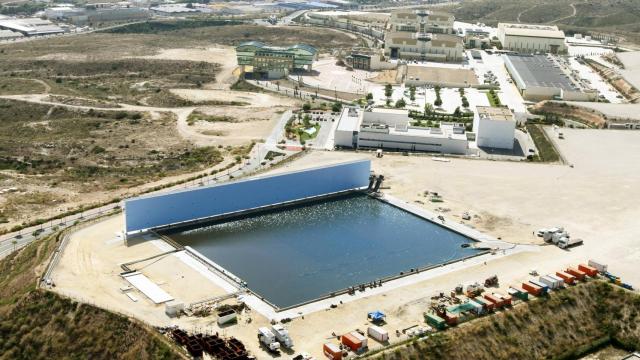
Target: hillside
620,17
37,324
561,326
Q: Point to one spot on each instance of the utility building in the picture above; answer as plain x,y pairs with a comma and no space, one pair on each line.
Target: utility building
495,127
391,129
270,62
530,39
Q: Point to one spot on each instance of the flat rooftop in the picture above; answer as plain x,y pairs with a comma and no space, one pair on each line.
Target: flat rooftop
540,71
31,26
441,75
495,113
631,71
349,119
532,30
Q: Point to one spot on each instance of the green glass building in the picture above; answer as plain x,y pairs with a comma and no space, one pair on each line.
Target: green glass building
261,61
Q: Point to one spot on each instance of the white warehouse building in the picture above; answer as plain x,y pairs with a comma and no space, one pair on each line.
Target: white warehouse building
530,39
495,127
391,129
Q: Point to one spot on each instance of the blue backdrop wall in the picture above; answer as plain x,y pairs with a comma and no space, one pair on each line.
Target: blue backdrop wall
153,211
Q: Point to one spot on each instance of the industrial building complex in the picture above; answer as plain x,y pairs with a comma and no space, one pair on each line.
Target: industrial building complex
542,77
422,35
527,38
270,62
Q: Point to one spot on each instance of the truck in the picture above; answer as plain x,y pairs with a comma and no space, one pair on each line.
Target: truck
601,267
268,339
568,242
282,335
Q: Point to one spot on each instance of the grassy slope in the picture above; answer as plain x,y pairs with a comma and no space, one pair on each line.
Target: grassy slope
547,151
557,327
36,324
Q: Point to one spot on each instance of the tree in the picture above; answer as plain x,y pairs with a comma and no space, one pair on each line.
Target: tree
400,103
457,112
388,90
189,5
369,96
306,107
438,101
306,120
428,108
465,102
336,107
412,93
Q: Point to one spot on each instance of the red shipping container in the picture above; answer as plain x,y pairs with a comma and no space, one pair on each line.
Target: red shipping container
351,342
498,302
568,278
591,271
332,351
577,273
532,289
506,299
450,318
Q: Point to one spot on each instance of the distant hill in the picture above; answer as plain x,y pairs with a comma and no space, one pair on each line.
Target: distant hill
620,17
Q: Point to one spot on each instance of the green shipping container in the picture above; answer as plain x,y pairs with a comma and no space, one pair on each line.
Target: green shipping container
435,321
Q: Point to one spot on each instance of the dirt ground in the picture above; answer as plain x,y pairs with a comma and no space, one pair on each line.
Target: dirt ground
594,200
225,56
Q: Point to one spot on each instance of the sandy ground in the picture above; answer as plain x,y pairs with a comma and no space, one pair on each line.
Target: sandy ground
225,56
595,200
251,99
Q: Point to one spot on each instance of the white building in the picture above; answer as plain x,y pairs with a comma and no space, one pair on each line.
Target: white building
528,38
391,129
422,35
495,127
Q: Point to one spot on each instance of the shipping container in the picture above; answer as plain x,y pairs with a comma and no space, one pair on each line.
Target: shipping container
363,339
488,305
351,342
568,278
532,289
601,267
550,282
558,279
577,273
451,319
506,299
435,321
591,271
545,287
497,302
519,293
477,307
332,351
378,333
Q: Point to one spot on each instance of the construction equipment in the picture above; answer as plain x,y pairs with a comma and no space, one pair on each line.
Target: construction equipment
491,281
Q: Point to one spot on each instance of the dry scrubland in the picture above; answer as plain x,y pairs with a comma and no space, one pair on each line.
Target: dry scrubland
560,326
601,16
55,154
36,324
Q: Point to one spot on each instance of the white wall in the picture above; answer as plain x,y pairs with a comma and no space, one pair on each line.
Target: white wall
412,143
497,134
